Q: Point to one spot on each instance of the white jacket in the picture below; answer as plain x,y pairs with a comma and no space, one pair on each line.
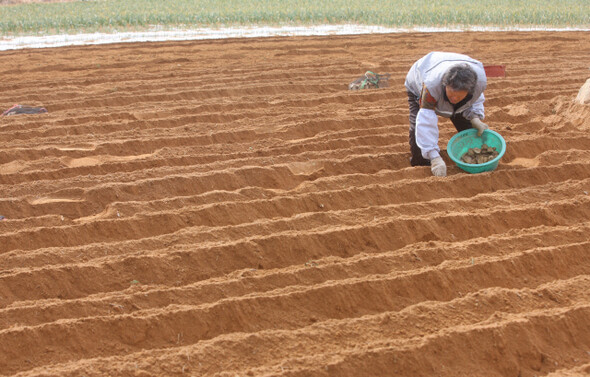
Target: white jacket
428,72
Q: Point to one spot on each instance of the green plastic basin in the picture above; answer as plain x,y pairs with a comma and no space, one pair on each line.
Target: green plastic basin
461,142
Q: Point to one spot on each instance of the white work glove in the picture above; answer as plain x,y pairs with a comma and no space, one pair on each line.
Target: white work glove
438,167
479,126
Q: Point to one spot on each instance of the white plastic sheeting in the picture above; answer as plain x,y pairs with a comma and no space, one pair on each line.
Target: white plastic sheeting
155,35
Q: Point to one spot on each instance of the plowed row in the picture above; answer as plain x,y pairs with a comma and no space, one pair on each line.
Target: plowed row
223,208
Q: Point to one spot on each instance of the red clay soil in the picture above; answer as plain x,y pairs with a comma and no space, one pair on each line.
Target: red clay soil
229,208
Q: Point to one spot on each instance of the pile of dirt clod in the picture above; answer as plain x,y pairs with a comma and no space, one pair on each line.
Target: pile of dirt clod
568,114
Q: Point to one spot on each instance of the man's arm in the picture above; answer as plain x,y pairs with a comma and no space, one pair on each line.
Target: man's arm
427,133
475,114
427,126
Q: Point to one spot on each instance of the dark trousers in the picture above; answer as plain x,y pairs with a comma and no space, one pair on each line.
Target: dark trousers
458,120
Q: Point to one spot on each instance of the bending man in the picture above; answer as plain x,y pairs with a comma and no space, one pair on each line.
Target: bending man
449,85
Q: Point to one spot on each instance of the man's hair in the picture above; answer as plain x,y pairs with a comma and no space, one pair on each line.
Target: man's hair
460,77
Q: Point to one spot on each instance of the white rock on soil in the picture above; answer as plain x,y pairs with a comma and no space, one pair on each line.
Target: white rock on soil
584,94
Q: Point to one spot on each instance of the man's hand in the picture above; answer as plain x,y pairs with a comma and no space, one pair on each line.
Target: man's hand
479,126
438,167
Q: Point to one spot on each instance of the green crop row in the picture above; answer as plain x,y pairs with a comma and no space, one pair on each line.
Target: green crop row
110,15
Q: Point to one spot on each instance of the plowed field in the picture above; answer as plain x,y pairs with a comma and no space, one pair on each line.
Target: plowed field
228,207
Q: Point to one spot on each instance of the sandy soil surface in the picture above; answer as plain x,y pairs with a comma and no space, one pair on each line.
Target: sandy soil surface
229,208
